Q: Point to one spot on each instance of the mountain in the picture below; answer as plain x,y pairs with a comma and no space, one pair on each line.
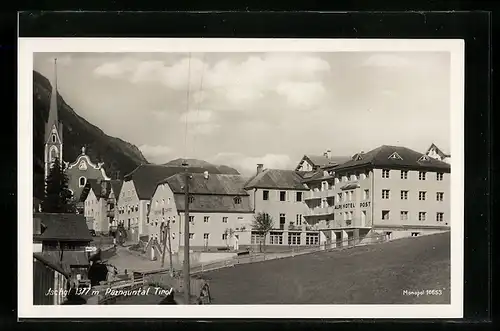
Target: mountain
119,156
204,164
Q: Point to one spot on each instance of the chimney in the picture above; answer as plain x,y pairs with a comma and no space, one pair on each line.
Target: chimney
260,167
205,174
329,154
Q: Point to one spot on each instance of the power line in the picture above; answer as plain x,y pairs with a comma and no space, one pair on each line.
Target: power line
199,102
187,106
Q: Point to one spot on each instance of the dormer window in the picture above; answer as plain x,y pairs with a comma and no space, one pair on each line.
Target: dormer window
359,157
395,156
423,158
237,200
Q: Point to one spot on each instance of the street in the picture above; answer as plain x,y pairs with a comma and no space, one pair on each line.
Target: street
125,260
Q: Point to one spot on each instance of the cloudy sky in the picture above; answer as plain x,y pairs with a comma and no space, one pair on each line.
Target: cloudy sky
241,109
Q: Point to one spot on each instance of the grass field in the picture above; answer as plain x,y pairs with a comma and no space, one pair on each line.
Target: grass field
376,274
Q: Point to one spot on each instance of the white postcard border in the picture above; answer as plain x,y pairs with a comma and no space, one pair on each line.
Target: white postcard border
28,46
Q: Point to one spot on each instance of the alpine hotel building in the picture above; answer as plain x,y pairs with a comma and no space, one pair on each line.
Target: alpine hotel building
390,190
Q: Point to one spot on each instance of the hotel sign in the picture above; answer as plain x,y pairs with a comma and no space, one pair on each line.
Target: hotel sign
353,205
162,211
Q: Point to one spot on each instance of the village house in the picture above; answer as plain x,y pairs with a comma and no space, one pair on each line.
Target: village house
99,204
436,153
60,240
315,162
280,195
220,212
136,193
48,275
390,190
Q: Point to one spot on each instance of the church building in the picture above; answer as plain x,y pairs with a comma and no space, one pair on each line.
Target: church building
82,168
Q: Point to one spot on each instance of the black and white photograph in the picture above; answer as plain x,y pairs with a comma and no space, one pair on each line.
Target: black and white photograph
257,177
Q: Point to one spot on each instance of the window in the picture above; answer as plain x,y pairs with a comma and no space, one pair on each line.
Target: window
439,176
337,180
421,216
385,194
385,215
298,197
282,221
237,200
421,195
366,195
293,238
255,239
299,219
404,195
173,219
423,158
388,234
362,176
439,196
191,199
404,174
421,175
224,220
205,236
224,236
53,138
414,234
191,219
82,181
404,215
282,195
350,195
439,217
339,197
168,201
276,238
162,201
395,156
191,236
312,239
265,195
206,219
344,195
385,173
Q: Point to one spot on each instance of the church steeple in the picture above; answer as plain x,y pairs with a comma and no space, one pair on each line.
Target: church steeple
53,128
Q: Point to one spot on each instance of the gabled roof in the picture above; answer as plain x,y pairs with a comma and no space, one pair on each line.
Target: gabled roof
380,158
214,203
276,179
147,176
116,186
215,184
63,227
438,150
69,258
323,161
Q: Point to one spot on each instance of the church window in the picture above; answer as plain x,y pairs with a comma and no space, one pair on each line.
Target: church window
82,181
53,138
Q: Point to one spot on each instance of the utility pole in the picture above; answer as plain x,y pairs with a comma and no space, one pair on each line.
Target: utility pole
187,285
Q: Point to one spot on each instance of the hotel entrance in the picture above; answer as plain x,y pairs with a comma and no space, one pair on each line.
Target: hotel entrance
350,238
339,239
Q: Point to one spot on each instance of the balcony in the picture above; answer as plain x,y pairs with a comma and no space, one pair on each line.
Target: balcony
319,211
319,194
110,213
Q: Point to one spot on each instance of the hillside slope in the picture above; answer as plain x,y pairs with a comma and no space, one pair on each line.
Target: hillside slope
223,169
120,157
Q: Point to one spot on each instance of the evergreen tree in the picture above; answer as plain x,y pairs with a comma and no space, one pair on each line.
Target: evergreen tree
58,198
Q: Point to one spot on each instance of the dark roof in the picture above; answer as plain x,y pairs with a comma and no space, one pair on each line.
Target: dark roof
214,203
69,258
63,227
116,185
350,186
147,176
438,150
379,158
277,179
323,161
215,184
51,263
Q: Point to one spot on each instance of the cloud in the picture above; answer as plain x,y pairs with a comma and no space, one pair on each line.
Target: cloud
247,165
386,60
156,153
235,81
302,94
160,114
204,129
196,116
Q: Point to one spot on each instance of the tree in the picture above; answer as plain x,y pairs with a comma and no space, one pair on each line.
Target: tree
262,224
57,198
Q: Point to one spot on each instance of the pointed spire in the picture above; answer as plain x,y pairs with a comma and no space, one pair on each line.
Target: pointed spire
53,110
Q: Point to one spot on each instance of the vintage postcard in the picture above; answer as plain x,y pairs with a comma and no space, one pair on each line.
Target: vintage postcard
258,178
